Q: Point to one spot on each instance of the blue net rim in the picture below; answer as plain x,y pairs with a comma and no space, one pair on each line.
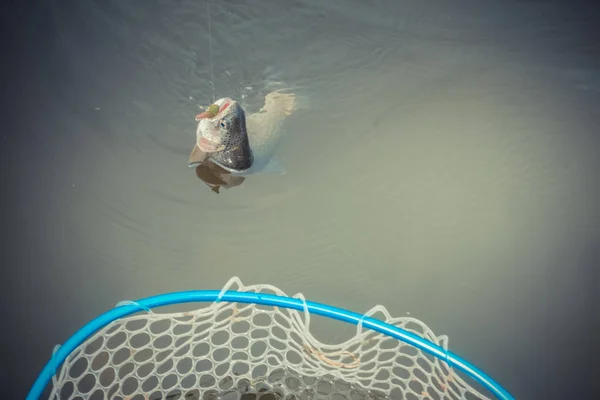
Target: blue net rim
203,296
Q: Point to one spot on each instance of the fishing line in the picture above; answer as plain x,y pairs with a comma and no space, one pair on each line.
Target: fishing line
212,72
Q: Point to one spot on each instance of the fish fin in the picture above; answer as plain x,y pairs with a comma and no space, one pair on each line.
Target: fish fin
196,157
274,167
216,189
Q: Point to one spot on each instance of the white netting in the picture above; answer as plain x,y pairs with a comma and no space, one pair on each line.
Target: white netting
234,351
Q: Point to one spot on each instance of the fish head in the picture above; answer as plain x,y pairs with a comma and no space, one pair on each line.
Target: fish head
224,130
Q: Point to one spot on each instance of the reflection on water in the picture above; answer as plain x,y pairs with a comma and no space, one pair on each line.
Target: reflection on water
442,161
216,177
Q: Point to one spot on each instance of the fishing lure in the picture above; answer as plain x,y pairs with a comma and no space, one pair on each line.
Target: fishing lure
210,112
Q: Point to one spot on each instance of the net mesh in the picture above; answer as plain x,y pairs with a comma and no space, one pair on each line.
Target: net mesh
235,351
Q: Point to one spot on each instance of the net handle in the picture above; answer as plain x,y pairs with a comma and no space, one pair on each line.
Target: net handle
203,296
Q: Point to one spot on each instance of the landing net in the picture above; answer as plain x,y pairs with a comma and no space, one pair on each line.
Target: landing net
254,342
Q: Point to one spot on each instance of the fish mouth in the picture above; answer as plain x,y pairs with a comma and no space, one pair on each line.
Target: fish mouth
209,146
223,105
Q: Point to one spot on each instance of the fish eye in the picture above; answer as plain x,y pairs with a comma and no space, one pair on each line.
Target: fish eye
223,124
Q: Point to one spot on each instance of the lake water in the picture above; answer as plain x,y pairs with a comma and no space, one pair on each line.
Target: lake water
444,162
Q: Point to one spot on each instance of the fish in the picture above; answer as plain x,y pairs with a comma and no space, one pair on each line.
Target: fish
238,143
222,138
